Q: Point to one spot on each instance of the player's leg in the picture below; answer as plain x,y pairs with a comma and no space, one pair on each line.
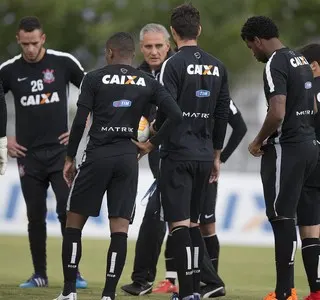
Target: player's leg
61,191
282,173
168,285
121,194
176,188
200,185
148,247
84,200
308,215
213,285
34,185
208,225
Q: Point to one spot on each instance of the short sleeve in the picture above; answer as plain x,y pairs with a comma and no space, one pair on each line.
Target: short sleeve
86,93
275,76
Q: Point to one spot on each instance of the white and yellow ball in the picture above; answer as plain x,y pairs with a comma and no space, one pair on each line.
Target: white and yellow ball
143,130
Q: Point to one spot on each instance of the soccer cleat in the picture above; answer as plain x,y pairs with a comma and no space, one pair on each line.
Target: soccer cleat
313,296
81,283
137,289
272,296
175,296
294,294
196,296
165,286
212,291
35,281
71,296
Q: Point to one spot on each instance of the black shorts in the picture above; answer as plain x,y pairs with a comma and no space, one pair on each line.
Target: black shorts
116,175
284,170
308,211
183,186
208,211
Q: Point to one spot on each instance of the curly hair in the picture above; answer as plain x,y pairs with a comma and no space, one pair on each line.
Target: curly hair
261,27
123,42
185,20
311,52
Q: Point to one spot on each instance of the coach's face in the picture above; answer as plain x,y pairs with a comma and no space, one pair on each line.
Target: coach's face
154,48
31,43
257,49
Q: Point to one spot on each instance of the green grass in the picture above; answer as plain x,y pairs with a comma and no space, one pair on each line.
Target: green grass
248,272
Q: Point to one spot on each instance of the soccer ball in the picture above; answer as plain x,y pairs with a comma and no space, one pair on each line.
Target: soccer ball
143,130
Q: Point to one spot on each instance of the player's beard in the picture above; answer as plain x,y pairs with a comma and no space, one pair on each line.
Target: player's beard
35,58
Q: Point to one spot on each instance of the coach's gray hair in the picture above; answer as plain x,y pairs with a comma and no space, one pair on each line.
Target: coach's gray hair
153,27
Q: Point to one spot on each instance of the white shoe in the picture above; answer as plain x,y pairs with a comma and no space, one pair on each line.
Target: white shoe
71,296
105,298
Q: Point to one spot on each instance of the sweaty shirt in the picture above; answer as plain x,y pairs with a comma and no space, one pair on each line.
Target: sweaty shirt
117,95
288,73
40,93
199,84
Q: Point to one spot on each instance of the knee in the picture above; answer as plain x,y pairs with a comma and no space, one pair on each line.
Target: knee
208,229
119,225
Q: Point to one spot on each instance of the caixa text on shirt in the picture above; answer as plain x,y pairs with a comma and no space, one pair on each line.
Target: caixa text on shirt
123,79
196,115
117,129
203,70
45,98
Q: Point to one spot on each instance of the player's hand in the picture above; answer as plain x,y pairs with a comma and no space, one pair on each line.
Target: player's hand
3,155
144,148
255,148
14,149
69,170
64,138
215,172
151,128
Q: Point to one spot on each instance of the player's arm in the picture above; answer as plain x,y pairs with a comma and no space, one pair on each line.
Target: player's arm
85,104
221,115
3,127
275,82
169,107
239,129
3,112
168,78
76,71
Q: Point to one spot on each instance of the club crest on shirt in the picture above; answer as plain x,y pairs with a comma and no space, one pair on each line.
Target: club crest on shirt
48,76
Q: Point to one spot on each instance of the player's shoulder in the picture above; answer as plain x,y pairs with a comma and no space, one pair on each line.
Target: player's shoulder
10,63
64,56
281,57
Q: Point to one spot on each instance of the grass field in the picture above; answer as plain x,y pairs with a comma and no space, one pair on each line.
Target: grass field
248,272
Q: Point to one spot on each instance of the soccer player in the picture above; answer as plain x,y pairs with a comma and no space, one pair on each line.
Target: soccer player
145,270
3,136
190,156
38,79
308,213
286,140
155,47
116,95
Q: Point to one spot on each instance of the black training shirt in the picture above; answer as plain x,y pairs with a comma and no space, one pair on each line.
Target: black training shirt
199,84
288,73
40,93
117,95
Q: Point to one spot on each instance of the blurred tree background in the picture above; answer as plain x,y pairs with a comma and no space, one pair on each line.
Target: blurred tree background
81,27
